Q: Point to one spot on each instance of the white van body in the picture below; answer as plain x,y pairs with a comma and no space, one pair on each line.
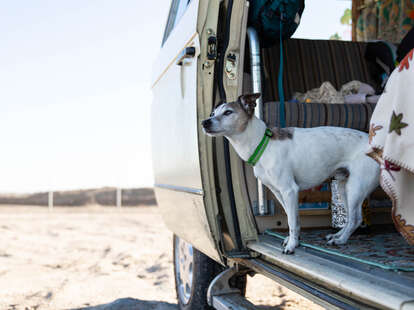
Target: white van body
204,191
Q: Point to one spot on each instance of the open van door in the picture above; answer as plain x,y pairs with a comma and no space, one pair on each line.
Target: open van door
175,147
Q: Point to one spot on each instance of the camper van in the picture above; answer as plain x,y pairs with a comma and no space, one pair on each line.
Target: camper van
228,226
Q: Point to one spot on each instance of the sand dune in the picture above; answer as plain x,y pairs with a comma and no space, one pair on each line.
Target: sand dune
98,258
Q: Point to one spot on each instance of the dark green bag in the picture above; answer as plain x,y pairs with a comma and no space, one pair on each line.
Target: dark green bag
272,18
275,20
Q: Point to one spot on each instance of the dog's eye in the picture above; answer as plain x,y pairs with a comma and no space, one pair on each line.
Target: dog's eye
228,112
212,114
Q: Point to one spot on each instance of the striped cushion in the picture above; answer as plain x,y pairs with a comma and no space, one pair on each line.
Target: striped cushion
309,63
305,115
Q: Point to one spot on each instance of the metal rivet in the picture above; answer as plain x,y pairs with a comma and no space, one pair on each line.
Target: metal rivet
207,64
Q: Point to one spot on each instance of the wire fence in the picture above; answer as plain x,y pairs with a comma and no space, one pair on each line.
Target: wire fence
118,199
109,196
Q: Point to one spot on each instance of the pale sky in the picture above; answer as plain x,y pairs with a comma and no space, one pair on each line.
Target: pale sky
75,89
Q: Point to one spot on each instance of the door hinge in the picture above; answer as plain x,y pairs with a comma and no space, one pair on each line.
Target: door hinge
231,66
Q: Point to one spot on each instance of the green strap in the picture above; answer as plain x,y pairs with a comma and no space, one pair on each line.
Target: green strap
282,118
258,152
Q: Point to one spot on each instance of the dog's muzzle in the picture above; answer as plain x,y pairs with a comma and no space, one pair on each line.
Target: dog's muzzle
206,123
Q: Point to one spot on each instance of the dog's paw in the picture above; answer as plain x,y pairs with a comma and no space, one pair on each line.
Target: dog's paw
287,251
336,241
290,246
286,241
341,240
331,241
334,236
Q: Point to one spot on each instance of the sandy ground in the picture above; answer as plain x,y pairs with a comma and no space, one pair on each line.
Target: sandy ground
98,258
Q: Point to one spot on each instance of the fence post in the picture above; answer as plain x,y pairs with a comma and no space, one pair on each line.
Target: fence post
119,197
50,200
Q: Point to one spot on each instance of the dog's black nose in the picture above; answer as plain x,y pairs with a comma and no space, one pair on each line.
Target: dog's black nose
206,123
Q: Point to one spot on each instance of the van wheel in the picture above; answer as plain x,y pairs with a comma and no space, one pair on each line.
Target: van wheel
193,273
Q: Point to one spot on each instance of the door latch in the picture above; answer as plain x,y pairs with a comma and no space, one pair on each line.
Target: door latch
188,52
212,48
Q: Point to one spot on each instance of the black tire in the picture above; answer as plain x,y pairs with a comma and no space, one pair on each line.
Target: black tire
204,270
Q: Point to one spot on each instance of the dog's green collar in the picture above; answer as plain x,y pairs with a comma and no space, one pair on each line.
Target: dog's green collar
258,152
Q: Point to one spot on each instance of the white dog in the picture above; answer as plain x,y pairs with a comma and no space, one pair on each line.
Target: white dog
292,159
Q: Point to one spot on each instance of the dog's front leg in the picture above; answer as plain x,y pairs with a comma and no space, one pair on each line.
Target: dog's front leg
291,206
278,196
289,200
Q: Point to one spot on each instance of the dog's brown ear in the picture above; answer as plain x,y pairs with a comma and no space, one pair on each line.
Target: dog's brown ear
249,98
248,102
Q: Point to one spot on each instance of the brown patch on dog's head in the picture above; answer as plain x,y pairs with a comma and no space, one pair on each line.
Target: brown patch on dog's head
230,118
282,133
248,103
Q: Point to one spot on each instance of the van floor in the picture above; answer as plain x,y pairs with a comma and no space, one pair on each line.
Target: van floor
380,245
331,270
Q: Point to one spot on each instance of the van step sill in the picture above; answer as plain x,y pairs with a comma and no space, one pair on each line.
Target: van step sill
231,302
366,284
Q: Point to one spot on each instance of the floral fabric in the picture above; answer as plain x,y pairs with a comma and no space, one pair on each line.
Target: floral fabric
367,24
387,20
391,140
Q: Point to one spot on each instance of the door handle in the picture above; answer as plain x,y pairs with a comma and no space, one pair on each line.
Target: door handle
188,52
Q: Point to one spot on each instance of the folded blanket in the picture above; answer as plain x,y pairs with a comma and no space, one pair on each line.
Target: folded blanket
351,92
391,139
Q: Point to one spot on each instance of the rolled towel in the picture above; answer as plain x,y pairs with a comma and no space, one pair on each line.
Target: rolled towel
355,98
373,99
366,89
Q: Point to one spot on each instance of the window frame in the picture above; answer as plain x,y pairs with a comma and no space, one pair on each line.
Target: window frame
177,6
